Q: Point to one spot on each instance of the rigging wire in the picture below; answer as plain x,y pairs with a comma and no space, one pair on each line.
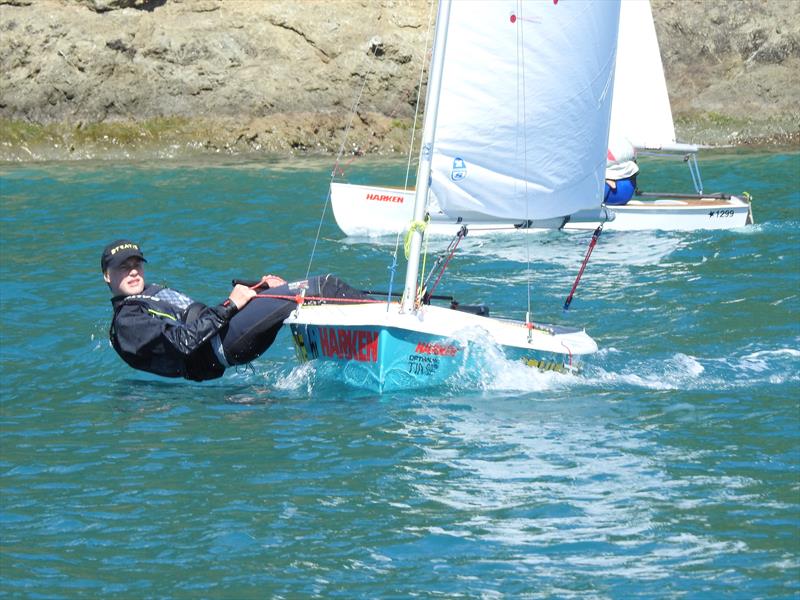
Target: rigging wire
442,262
419,92
592,243
522,112
339,155
353,111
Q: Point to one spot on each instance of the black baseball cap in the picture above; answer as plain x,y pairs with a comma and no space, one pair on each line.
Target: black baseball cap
118,252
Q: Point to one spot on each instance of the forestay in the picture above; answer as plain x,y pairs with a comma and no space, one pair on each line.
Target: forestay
524,111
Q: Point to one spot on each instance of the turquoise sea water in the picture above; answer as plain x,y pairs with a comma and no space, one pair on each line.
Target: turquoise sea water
667,469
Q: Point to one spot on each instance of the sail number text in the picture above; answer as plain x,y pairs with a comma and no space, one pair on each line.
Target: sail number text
724,212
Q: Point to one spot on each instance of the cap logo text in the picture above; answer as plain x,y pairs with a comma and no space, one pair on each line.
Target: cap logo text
116,249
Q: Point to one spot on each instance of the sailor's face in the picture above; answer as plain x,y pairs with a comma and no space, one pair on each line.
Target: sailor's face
127,278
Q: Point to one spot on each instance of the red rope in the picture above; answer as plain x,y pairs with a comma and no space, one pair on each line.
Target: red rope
340,170
300,299
569,352
252,287
592,244
459,236
444,267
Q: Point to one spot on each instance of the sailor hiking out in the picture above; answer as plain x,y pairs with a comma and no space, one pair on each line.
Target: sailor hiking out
163,331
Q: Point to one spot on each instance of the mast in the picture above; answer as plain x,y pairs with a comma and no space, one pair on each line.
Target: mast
426,153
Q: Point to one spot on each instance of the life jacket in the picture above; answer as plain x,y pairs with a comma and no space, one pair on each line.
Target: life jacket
161,356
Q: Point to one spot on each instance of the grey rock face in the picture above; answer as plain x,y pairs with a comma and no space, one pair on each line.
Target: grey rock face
283,75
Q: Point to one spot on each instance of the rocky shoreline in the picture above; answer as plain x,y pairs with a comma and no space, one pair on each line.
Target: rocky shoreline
281,135
89,79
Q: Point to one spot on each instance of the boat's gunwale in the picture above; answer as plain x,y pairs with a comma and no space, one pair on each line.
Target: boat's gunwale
428,320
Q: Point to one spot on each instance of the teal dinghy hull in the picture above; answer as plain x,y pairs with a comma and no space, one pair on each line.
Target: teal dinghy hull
381,349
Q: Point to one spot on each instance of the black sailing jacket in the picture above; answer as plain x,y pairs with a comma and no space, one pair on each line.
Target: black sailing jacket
153,332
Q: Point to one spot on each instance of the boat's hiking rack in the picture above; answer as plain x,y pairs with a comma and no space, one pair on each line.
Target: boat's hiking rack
690,158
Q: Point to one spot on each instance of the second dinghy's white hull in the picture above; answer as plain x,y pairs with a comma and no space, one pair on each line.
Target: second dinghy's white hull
372,211
362,210
670,213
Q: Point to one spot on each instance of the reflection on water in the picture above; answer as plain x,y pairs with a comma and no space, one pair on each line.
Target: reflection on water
511,480
534,476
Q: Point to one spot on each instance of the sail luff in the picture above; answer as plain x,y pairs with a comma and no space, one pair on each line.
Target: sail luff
428,138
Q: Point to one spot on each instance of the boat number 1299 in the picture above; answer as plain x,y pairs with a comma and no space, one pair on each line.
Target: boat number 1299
725,212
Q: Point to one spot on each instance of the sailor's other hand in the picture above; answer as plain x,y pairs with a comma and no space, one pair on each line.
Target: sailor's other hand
273,280
241,295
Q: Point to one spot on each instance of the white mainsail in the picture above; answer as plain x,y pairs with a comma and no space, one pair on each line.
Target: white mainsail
641,112
523,116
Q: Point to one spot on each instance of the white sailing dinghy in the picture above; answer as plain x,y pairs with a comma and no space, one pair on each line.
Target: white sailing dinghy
641,113
506,133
